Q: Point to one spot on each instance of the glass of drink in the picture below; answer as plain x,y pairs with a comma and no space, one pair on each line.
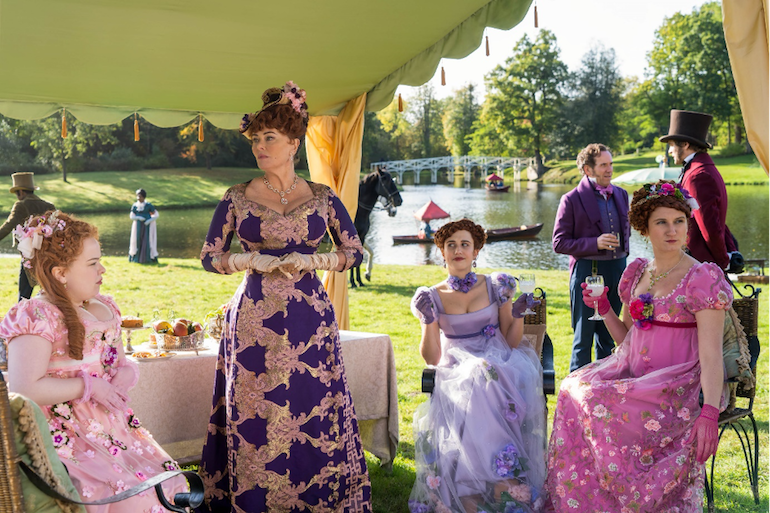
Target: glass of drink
527,286
595,285
616,246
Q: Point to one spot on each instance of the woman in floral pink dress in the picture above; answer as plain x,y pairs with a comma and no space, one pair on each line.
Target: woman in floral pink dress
629,434
65,352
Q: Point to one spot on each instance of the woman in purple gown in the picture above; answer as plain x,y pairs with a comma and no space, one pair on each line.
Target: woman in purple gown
480,439
629,434
283,435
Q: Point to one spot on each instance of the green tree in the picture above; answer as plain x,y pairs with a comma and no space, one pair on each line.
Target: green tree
427,112
375,146
400,131
215,140
524,97
689,68
82,140
596,99
462,111
637,129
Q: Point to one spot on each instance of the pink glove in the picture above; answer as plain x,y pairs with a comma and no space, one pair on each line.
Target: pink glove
591,301
127,376
104,393
707,432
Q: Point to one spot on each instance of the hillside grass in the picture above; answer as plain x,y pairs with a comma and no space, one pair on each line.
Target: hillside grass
382,306
740,170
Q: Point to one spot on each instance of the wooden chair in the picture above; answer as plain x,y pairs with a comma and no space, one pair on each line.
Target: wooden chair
535,330
12,467
747,308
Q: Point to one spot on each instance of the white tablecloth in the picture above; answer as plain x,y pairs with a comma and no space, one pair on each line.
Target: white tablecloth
173,396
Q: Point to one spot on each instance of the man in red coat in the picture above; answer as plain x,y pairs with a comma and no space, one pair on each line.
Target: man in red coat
708,238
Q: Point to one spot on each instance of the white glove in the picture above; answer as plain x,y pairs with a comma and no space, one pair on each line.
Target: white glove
149,221
294,262
253,260
133,216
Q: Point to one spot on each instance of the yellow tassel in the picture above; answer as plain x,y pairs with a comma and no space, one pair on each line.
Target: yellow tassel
400,103
136,128
536,25
487,38
200,128
63,123
443,76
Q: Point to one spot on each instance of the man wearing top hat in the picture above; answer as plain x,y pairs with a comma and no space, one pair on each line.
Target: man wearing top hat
708,238
27,205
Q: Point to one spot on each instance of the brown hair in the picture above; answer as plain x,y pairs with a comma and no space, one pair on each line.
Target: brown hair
60,250
643,206
478,234
588,155
283,118
697,148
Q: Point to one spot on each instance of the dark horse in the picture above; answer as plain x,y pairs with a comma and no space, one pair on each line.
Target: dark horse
376,185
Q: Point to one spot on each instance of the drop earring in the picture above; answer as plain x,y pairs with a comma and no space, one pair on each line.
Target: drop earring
474,263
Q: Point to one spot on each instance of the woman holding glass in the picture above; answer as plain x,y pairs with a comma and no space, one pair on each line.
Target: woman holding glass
629,433
479,440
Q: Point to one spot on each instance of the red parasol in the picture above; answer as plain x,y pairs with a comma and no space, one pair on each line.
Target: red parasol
430,211
494,178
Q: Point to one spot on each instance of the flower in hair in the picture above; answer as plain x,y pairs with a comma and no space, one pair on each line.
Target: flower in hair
668,189
296,96
29,239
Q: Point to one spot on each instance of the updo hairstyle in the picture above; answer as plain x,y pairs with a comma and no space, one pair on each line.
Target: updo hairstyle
281,117
478,234
642,206
60,249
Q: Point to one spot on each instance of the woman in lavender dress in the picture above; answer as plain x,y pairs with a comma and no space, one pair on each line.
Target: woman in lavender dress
480,439
283,435
629,434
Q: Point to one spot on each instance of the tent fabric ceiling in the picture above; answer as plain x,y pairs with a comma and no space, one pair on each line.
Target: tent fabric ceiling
169,60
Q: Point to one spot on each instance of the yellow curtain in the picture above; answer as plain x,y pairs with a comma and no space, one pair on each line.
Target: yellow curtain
746,33
334,156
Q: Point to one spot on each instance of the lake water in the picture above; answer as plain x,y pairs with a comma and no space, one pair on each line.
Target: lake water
181,232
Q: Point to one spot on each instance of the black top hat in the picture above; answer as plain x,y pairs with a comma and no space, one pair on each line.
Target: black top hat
688,126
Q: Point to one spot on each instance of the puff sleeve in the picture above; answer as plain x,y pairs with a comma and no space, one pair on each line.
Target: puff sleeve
423,306
503,287
629,277
31,317
707,288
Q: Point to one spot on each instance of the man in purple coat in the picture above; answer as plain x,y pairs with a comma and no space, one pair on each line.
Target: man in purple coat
708,238
592,228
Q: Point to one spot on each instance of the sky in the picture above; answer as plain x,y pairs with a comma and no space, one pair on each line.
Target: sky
628,26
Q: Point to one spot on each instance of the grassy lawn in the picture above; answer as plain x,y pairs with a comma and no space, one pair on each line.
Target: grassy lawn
741,170
111,191
383,306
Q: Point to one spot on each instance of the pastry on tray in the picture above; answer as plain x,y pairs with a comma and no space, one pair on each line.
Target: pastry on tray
129,321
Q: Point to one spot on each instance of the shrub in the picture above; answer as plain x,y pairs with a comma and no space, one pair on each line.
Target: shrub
732,150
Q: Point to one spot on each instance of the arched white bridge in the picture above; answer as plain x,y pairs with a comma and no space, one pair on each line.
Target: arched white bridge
453,165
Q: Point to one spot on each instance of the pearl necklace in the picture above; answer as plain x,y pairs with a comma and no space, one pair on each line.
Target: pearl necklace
655,279
279,192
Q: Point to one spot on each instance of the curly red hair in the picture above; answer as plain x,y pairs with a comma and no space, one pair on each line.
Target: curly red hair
478,234
642,207
60,250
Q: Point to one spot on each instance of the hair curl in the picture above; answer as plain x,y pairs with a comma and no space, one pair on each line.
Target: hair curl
60,250
478,234
642,208
588,155
281,117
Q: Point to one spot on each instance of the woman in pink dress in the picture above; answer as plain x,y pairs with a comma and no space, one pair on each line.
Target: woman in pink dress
629,433
65,352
